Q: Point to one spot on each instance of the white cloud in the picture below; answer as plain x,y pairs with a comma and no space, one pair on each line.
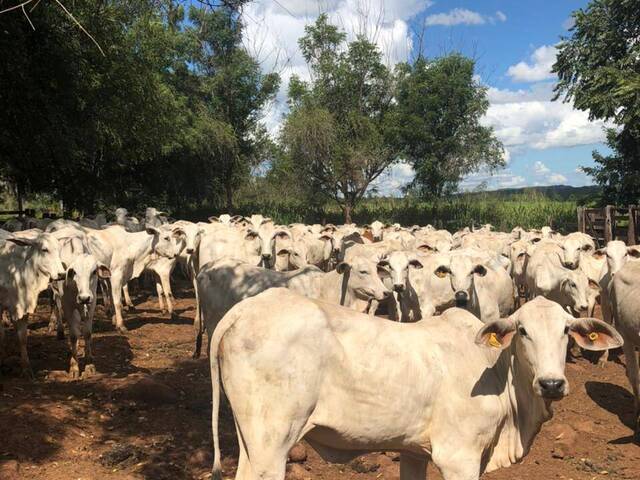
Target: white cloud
457,16
539,69
568,23
540,168
501,16
557,178
540,124
506,156
490,181
391,182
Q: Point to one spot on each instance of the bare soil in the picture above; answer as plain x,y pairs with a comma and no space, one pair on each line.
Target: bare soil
146,414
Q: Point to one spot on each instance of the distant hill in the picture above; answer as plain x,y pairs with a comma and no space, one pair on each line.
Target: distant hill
560,192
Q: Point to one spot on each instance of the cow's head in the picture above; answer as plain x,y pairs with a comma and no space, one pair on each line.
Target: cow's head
617,254
363,280
540,331
575,245
461,271
82,276
396,265
166,242
575,290
44,251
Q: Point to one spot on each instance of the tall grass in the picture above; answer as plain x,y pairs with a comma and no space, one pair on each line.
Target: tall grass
525,210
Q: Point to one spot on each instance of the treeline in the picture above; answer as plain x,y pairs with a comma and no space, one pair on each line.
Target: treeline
166,111
167,116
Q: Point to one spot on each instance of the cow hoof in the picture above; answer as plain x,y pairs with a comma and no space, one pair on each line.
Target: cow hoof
174,316
27,374
196,355
89,370
74,373
122,329
60,334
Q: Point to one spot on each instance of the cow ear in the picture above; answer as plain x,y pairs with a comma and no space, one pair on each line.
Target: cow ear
342,267
103,271
152,230
23,242
426,248
283,251
415,263
593,284
442,271
593,334
634,251
479,270
383,263
251,234
71,273
598,254
214,219
497,334
179,232
282,234
326,238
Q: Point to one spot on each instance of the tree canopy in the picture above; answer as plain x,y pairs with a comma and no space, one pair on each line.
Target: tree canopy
598,69
168,115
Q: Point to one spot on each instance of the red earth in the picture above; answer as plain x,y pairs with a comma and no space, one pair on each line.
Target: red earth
146,414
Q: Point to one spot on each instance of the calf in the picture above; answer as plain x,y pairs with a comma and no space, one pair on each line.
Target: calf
27,265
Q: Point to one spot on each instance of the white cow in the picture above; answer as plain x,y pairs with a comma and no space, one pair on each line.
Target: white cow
625,300
27,264
78,307
223,284
396,267
467,396
132,253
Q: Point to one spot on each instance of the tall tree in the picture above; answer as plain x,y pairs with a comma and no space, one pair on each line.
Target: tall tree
335,133
598,69
438,127
233,89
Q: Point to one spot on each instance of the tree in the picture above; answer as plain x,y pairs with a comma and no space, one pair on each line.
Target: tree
438,128
335,134
619,173
598,69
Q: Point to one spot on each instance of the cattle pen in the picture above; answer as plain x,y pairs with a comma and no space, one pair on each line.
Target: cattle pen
610,223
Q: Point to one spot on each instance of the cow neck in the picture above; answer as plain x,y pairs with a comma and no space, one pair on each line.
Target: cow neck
141,246
336,288
30,282
527,411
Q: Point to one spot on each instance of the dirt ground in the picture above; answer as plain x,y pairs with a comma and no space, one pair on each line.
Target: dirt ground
146,414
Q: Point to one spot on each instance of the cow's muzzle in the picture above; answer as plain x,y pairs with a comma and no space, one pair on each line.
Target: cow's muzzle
462,299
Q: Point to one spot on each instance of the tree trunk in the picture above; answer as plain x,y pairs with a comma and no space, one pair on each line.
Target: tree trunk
347,212
229,194
19,195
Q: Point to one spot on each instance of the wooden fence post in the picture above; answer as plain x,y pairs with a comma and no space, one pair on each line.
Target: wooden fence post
581,222
608,223
632,236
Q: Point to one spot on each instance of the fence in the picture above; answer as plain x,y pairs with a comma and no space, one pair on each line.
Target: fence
610,223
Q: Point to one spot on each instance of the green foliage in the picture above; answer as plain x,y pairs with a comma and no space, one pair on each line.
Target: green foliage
168,116
598,65
598,69
438,123
334,138
526,210
619,173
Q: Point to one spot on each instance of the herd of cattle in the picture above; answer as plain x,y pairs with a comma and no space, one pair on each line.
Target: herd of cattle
290,312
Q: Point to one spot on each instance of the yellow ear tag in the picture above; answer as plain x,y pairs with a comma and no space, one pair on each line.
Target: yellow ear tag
494,342
593,336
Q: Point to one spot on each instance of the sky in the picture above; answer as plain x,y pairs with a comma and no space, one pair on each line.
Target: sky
513,43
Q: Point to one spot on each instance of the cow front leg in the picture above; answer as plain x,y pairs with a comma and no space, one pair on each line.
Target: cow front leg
87,330
74,335
413,467
165,280
633,374
116,292
23,333
457,463
160,293
127,298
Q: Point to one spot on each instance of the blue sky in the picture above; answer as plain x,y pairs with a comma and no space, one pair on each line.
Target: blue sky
513,43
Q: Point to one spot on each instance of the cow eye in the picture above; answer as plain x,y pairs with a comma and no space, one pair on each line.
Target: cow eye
566,330
364,272
522,331
45,250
